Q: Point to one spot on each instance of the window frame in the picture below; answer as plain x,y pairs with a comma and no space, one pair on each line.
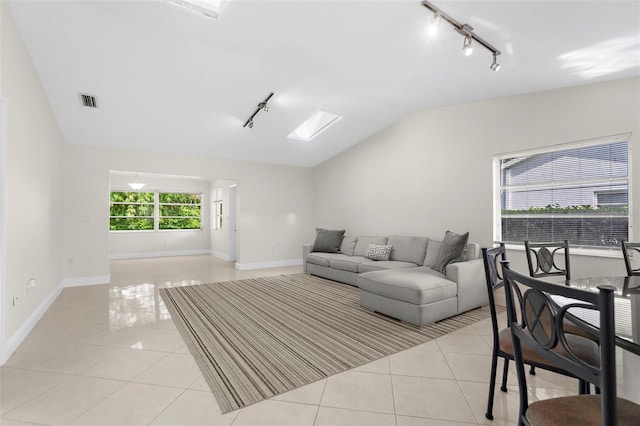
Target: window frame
159,216
156,211
152,204
608,251
217,209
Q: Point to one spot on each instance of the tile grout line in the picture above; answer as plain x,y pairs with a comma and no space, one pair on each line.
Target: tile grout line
324,386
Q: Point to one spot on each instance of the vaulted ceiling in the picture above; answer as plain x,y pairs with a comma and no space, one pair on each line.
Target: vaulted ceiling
171,80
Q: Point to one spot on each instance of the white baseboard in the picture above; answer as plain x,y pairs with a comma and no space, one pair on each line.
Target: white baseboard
82,281
12,344
265,265
147,254
219,255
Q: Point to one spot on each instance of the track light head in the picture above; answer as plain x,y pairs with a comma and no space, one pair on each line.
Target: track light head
495,66
250,124
437,18
435,23
467,48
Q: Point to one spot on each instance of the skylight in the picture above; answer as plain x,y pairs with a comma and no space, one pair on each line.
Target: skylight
211,8
316,124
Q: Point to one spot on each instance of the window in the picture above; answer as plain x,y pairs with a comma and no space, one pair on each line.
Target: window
578,192
180,211
149,211
131,211
217,209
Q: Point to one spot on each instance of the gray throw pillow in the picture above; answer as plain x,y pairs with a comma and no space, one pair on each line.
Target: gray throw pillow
328,240
452,248
378,252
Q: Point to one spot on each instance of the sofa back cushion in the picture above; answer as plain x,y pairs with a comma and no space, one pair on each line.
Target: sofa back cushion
348,245
363,243
433,247
408,249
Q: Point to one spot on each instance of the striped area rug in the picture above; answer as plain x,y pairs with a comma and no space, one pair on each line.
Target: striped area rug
257,338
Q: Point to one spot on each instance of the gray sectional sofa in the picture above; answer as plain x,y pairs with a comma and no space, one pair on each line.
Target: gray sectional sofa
405,286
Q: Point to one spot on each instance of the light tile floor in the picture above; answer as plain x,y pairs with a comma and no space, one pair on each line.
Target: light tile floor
110,355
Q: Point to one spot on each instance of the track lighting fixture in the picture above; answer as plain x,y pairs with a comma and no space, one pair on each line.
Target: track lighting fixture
466,45
466,31
262,106
495,66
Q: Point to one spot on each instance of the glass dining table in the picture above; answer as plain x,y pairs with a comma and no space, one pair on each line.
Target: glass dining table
627,324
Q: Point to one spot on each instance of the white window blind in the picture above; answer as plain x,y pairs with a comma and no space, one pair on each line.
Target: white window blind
576,192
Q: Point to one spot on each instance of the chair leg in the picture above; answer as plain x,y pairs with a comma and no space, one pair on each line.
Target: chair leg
582,387
505,372
492,386
532,370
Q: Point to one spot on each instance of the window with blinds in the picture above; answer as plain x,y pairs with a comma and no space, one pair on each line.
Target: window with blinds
576,192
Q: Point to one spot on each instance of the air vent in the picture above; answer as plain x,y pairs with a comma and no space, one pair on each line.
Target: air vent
89,101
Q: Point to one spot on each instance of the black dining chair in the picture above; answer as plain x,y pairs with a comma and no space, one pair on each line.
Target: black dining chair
536,322
502,342
629,249
542,259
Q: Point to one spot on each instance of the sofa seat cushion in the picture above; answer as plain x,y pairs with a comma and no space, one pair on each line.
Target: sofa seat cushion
321,259
419,286
381,265
346,263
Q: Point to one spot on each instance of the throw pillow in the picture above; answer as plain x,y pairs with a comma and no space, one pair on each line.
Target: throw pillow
378,252
328,240
452,248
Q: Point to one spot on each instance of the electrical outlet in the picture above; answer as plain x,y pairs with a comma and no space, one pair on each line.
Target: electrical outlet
30,285
69,260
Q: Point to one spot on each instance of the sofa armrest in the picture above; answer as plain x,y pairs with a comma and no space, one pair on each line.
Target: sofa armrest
472,288
306,249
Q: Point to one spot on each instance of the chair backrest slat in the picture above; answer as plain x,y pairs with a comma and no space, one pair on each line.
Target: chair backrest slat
628,250
542,258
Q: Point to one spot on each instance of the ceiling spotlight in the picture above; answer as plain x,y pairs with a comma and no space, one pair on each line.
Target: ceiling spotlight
263,106
435,23
250,124
495,66
466,46
437,18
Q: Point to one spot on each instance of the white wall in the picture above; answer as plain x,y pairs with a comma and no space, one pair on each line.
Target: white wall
274,205
125,244
34,190
432,171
